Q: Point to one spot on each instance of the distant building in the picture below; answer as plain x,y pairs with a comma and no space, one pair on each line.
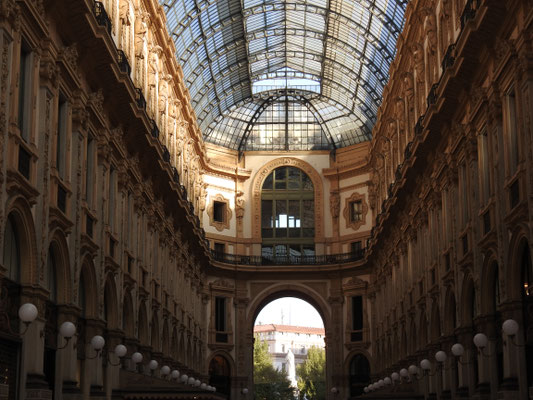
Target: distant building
285,339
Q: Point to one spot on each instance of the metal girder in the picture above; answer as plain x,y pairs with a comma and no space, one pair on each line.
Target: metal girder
370,6
218,88
362,30
311,97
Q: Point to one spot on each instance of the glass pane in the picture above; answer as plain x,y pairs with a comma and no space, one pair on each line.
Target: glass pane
281,173
266,251
281,250
295,250
268,182
266,214
267,232
309,250
306,182
294,178
281,218
308,214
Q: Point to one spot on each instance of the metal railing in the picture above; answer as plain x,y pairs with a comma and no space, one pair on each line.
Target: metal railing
101,16
326,259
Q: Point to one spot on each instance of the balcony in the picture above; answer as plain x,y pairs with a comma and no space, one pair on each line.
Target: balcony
327,259
101,16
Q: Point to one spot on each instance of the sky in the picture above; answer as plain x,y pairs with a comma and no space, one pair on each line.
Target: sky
295,312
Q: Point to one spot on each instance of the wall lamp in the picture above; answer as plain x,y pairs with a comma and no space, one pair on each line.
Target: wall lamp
27,314
98,343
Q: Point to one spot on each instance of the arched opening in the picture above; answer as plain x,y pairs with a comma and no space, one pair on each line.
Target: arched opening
9,303
289,352
220,374
128,322
359,374
11,260
50,331
527,308
287,215
495,312
469,315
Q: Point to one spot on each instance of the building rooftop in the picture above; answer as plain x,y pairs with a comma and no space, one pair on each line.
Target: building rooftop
289,328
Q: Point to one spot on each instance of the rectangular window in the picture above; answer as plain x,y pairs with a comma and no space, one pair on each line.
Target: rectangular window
357,319
463,195
24,94
220,314
484,173
219,211
512,130
356,211
112,197
61,138
220,248
355,247
89,171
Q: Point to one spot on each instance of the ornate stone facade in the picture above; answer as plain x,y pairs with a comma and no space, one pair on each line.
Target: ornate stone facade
105,184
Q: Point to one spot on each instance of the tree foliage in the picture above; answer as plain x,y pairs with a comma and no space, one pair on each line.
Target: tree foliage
312,375
269,383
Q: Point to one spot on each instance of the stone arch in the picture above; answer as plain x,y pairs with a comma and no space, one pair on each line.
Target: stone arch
450,313
355,366
489,282
411,348
19,211
423,330
257,184
468,302
220,372
128,318
303,292
517,247
403,342
188,353
59,246
435,326
89,282
165,342
182,355
154,334
276,291
174,344
110,303
143,334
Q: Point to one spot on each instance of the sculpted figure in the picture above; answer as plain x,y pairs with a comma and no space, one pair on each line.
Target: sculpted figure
124,12
163,93
141,27
430,28
418,57
334,204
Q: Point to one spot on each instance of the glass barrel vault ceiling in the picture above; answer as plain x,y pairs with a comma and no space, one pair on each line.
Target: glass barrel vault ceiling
328,58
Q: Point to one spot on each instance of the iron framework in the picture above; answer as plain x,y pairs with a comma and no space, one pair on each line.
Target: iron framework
335,52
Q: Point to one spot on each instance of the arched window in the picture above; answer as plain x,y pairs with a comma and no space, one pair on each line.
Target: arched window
287,214
82,301
12,251
51,278
220,375
359,374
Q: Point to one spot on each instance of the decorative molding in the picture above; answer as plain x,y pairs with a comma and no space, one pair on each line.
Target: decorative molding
355,225
219,225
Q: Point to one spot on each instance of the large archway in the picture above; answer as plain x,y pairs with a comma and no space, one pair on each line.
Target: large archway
289,351
309,295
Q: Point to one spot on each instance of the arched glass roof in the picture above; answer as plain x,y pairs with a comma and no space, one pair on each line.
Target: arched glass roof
241,56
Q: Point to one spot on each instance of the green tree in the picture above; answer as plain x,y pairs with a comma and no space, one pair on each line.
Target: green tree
269,383
312,375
